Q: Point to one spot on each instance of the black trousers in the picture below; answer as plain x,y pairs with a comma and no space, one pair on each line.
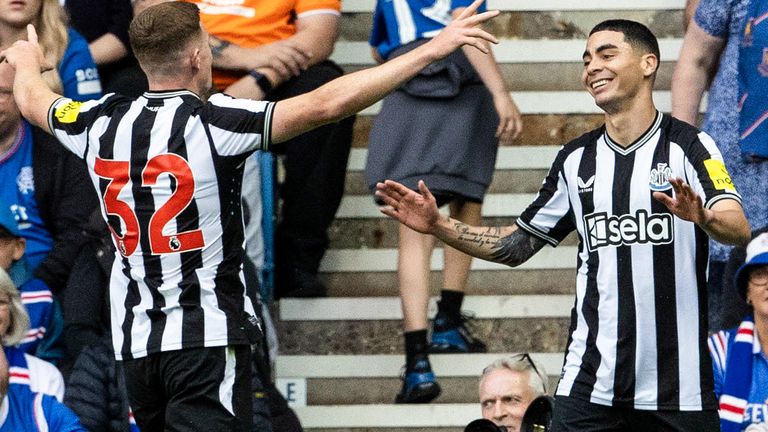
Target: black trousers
575,415
199,389
315,169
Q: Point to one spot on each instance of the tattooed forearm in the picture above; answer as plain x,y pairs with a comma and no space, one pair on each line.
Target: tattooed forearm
494,244
516,248
490,236
218,46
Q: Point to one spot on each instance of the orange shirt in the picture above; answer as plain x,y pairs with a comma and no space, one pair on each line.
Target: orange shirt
251,23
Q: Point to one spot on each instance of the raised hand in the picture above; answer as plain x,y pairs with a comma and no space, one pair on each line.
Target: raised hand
686,204
417,211
26,52
464,30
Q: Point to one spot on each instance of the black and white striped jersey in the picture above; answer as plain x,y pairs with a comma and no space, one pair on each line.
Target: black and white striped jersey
638,327
168,168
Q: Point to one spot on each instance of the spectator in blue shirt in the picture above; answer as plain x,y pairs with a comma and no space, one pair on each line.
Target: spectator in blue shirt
740,355
23,410
76,74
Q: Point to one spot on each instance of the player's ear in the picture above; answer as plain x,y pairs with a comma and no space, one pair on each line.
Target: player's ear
650,63
194,59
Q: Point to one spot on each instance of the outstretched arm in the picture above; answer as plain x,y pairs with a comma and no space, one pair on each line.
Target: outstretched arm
506,245
351,93
32,95
724,222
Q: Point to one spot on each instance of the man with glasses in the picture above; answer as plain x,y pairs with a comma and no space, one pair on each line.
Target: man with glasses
508,386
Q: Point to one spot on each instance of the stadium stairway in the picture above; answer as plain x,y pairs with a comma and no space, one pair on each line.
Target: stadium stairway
340,357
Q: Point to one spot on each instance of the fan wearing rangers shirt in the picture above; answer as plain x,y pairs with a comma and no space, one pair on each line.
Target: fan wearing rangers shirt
168,169
643,192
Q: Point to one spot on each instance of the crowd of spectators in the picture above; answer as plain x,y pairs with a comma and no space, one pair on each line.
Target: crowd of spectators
56,253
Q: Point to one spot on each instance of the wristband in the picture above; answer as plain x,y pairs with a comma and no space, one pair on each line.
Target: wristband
261,80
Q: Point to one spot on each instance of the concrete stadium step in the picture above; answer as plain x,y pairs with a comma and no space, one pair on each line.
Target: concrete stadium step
371,379
529,157
517,282
539,130
411,418
385,336
517,181
561,23
390,366
382,233
388,308
557,76
384,260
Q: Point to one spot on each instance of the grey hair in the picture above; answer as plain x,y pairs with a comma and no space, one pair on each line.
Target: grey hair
17,329
518,363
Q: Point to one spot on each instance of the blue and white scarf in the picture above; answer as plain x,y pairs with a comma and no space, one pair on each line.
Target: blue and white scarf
738,378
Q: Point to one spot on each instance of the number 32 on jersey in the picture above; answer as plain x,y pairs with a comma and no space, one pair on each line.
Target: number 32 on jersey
118,174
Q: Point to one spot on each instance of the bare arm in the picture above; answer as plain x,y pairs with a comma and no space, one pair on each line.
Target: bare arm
506,245
32,95
724,221
312,43
107,48
695,67
690,11
510,120
351,93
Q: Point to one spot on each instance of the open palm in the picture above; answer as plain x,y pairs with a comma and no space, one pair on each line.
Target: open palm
417,211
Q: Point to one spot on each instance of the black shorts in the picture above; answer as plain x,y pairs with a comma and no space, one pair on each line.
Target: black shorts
575,415
444,198
198,389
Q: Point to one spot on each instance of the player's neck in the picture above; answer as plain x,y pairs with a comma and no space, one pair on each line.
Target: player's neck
8,137
159,86
626,126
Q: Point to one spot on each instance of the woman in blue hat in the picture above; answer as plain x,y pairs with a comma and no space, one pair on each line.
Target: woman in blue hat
740,355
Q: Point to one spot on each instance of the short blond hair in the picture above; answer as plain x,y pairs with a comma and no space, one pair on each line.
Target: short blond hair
19,325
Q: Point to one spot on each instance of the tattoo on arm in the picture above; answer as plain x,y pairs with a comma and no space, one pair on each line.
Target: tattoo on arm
513,249
517,248
218,46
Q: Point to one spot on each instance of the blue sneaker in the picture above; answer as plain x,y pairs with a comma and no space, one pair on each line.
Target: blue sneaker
419,384
453,336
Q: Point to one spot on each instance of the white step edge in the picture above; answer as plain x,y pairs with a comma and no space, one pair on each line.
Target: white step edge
352,6
508,157
494,205
563,102
518,51
388,416
388,308
390,365
385,260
